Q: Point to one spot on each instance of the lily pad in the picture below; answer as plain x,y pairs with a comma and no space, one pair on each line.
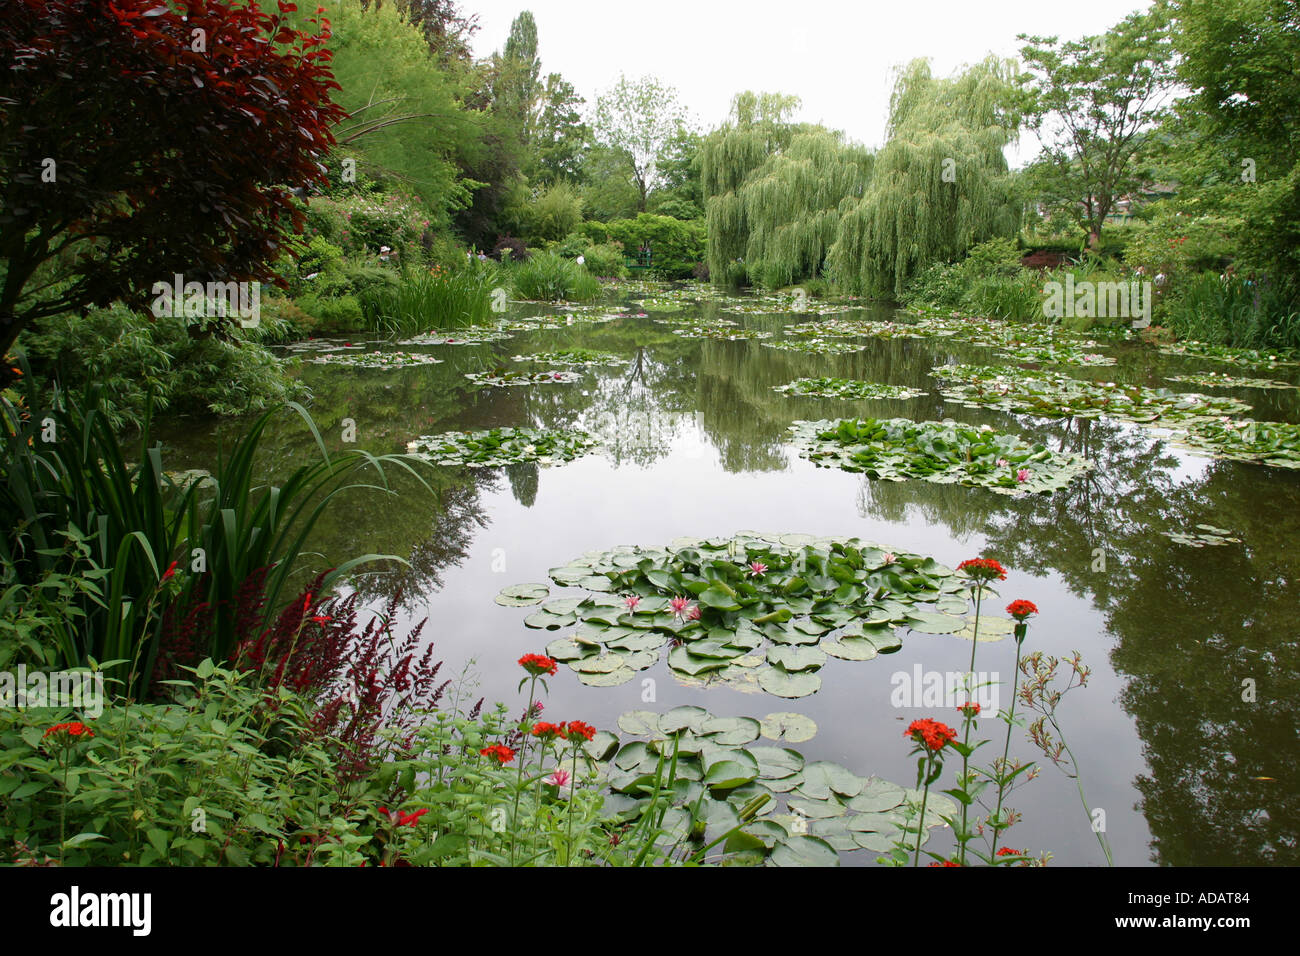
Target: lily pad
790,727
522,595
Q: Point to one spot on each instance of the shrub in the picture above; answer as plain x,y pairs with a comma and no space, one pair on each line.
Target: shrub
431,299
552,278
1235,311
334,313
132,357
510,249
676,246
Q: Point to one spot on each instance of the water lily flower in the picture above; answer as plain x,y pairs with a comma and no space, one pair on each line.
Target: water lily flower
694,613
558,779
757,569
1022,475
631,601
680,606
1002,463
889,557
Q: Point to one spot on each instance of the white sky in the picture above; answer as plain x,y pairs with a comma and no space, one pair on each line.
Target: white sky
837,56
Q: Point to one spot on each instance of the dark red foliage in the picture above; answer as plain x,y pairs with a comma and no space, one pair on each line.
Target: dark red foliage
365,679
177,131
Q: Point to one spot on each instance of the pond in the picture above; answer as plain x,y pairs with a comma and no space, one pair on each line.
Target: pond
1186,734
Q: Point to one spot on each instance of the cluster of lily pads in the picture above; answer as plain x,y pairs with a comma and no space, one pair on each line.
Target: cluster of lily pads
1205,534
1233,356
1224,380
573,357
751,612
1054,395
662,304
475,336
810,810
720,333
503,377
1276,444
815,346
503,446
944,452
1021,343
846,388
384,360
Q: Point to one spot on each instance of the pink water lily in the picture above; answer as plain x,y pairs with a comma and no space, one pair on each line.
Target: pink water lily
1002,463
680,605
558,779
1022,475
889,557
757,569
694,613
631,601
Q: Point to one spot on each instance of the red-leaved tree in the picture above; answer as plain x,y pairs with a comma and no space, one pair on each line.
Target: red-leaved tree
140,139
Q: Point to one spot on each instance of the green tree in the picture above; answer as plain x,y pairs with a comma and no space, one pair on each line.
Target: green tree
636,119
1092,102
561,134
940,184
1237,139
759,126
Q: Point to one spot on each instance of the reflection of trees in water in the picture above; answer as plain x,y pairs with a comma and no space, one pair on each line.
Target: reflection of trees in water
523,482
1190,623
641,411
455,516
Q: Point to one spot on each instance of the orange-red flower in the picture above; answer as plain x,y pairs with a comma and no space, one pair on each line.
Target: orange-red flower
1007,851
576,731
933,734
945,863
499,752
970,708
537,664
983,569
548,731
1022,609
74,729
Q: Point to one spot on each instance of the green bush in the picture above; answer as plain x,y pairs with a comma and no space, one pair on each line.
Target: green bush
428,300
1234,311
676,246
221,776
551,278
334,314
186,370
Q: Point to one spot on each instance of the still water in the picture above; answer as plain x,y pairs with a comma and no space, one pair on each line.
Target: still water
1186,736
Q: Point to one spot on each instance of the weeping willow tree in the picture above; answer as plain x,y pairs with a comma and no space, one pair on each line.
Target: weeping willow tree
759,126
793,203
940,184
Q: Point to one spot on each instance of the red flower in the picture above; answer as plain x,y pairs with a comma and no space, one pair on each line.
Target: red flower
537,664
576,731
945,863
170,572
1022,609
74,729
400,818
548,731
933,734
1007,851
322,619
983,569
970,708
499,752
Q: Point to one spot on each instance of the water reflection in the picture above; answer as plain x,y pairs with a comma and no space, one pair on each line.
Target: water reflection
1190,767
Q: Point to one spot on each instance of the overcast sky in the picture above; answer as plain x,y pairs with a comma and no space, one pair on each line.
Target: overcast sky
837,56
